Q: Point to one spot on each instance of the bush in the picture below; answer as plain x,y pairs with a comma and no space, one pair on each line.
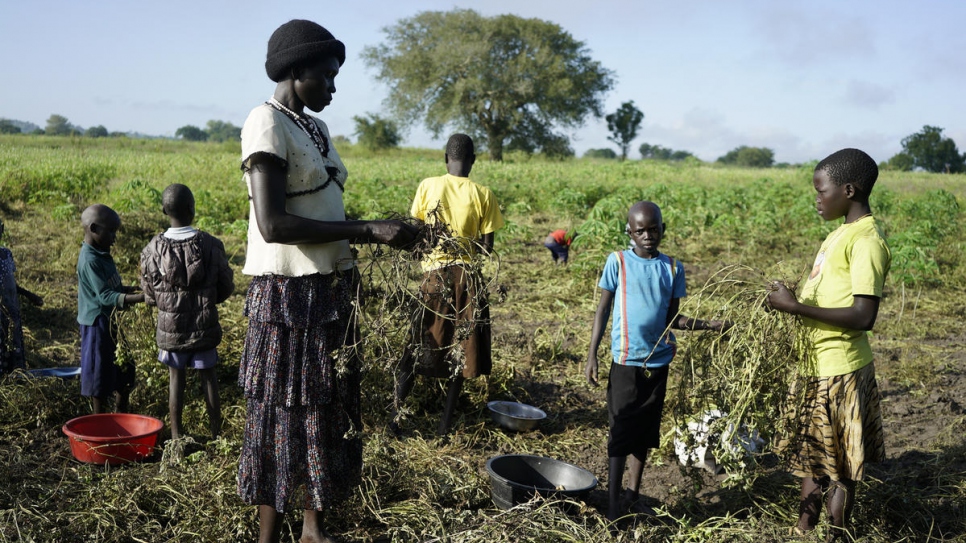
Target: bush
605,153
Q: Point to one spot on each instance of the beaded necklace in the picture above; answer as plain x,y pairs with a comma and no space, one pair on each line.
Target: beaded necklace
310,129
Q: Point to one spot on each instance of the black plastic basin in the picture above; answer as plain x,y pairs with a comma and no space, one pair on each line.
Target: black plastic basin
516,478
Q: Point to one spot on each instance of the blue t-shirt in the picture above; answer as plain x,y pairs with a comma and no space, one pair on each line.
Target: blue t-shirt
643,289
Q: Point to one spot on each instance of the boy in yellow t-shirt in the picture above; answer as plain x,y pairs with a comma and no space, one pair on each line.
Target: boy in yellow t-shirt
454,311
840,421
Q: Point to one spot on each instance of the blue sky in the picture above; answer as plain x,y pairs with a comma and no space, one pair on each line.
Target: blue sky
804,78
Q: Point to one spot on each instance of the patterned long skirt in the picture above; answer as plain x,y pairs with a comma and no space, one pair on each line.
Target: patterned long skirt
839,427
302,386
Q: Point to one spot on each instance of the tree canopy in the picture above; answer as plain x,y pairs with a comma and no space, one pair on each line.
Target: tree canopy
223,131
375,132
623,125
58,125
932,152
503,80
98,131
749,157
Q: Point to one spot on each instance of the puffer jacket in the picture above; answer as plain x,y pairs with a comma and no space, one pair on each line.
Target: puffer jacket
185,279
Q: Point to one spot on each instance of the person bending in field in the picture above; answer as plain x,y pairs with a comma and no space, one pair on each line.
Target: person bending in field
185,273
643,289
99,294
451,338
11,328
558,242
840,422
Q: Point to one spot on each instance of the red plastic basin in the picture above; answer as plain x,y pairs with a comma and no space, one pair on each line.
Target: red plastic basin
112,438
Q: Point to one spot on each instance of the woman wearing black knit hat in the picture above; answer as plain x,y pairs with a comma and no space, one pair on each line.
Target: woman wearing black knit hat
299,368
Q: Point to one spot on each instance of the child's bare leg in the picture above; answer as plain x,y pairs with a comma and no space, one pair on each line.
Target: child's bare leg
615,476
635,469
452,396
841,498
123,397
312,530
98,404
176,384
811,504
209,386
269,524
403,377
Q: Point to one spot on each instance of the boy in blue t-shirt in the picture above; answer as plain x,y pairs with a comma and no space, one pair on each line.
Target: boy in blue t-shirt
644,288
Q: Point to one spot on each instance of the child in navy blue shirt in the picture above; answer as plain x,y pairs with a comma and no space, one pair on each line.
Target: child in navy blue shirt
644,288
99,294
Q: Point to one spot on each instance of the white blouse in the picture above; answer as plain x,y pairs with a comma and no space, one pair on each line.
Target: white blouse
268,130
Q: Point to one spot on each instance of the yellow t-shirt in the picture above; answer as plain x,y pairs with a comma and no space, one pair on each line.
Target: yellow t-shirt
853,260
468,209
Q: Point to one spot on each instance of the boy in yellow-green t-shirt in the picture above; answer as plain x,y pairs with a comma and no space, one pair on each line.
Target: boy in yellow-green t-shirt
840,421
451,335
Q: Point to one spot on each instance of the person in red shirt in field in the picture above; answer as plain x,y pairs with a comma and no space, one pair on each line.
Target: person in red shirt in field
558,242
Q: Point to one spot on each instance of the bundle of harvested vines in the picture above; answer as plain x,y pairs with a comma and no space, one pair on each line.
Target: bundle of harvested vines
397,294
736,391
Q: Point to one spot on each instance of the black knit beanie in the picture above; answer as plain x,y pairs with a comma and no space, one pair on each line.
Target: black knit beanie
297,41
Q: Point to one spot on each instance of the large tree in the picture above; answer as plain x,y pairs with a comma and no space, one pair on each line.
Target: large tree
502,79
932,152
623,125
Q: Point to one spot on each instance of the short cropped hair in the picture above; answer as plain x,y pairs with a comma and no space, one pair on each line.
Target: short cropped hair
459,147
851,166
178,200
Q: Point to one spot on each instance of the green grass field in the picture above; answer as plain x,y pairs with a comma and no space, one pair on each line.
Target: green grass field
732,228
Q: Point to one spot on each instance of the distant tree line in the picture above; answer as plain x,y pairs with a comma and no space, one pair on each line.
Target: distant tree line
57,125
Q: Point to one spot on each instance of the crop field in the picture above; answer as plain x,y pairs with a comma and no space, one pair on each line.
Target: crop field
732,228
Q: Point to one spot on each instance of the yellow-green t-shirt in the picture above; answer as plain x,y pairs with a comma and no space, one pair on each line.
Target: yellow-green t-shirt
468,209
853,260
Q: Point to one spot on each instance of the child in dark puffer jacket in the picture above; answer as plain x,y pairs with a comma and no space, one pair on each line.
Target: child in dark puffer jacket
185,273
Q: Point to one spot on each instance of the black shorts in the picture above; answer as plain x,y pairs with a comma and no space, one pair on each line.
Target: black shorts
635,403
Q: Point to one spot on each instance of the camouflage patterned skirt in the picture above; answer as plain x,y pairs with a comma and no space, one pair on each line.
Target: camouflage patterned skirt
839,427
